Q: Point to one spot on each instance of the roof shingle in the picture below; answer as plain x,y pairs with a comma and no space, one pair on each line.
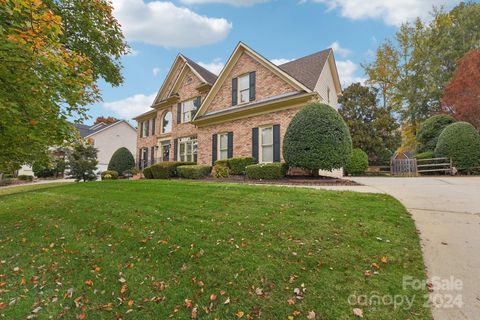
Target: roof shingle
207,75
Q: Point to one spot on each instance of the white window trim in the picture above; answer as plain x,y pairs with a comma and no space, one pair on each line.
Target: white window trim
163,118
219,149
183,110
260,144
239,97
193,140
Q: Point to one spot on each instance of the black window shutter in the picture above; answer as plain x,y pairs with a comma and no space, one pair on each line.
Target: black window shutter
214,148
145,153
153,126
179,112
148,127
234,91
252,85
230,145
276,143
141,129
255,143
152,155
175,145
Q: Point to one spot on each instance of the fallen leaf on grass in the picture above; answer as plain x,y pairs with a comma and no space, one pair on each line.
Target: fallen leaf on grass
375,265
311,315
291,301
358,312
384,259
188,303
239,314
227,301
82,316
3,305
89,283
194,313
213,297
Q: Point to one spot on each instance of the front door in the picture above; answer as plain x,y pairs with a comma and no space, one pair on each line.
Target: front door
165,150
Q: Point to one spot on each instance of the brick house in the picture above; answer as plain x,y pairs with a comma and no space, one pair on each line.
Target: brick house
245,111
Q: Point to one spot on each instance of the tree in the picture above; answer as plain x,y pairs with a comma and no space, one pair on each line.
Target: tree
52,53
412,71
121,161
460,141
373,128
461,96
317,138
82,161
108,120
430,130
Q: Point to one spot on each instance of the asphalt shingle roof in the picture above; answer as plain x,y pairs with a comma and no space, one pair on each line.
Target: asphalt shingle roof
207,75
86,130
307,69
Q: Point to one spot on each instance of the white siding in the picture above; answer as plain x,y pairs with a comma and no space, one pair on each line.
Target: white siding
325,82
110,140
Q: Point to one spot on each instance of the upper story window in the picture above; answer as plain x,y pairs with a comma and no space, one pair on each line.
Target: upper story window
186,110
167,122
144,125
243,88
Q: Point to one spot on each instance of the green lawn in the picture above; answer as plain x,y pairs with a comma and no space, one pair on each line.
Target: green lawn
161,249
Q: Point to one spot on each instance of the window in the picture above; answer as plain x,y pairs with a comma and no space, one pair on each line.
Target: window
167,122
244,88
223,146
266,144
188,149
187,109
145,128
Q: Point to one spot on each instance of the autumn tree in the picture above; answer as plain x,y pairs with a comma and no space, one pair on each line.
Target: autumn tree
373,128
461,96
82,161
107,120
51,55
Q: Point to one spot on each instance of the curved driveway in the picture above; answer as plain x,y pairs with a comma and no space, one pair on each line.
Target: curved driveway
447,214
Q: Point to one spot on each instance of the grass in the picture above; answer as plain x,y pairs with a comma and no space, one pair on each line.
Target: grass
160,249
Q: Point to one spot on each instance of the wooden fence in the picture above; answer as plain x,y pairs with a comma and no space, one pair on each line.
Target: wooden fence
403,167
414,167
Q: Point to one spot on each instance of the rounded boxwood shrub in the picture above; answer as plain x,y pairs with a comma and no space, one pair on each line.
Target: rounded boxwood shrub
266,171
194,171
121,161
147,173
460,141
430,130
109,175
221,170
166,170
317,138
358,162
236,165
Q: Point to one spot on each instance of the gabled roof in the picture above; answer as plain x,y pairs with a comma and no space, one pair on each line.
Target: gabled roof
239,49
87,131
208,76
307,70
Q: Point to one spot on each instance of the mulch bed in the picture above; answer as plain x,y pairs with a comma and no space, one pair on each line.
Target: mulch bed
293,180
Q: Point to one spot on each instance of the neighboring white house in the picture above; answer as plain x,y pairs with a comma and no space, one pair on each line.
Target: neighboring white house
108,138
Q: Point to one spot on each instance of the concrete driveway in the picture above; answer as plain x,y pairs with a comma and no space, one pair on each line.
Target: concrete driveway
447,214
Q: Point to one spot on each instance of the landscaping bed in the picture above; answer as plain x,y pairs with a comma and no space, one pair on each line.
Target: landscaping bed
288,180
160,249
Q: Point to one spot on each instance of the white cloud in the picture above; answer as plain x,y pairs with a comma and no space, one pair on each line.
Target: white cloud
231,2
347,72
155,71
215,67
280,61
393,12
164,24
337,49
131,106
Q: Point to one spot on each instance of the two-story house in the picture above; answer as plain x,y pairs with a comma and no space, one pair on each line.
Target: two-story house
245,111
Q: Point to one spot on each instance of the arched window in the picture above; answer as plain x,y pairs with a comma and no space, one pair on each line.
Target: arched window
167,122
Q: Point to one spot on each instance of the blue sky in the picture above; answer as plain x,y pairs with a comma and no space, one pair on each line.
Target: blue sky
208,30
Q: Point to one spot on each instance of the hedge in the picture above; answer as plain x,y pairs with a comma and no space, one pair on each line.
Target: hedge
221,170
317,138
236,165
430,130
424,155
109,175
165,170
25,177
194,171
358,162
460,141
147,173
121,161
266,171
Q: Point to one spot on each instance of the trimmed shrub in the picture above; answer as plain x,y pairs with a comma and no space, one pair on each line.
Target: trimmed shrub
25,177
121,161
236,165
358,162
460,141
424,155
194,171
430,130
5,182
221,170
266,171
317,138
147,173
167,169
109,175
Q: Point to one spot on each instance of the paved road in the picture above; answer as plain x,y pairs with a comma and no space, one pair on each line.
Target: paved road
447,214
